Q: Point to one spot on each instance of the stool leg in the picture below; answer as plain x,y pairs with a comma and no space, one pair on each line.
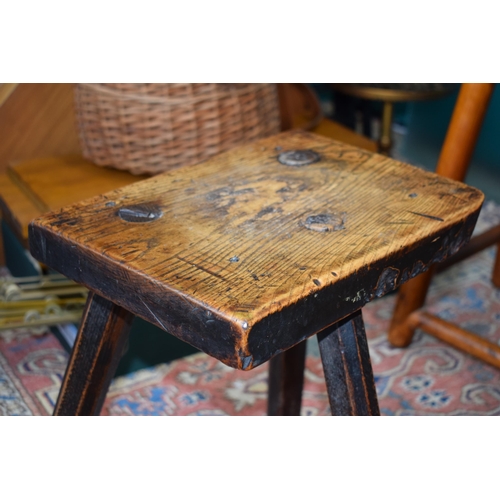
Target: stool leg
286,380
98,348
348,371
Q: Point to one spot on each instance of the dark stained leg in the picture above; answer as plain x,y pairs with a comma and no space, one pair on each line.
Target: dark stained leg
496,269
347,367
286,380
98,348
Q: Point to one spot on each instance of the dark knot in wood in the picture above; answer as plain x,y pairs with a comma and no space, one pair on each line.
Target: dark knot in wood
298,157
325,222
387,281
140,213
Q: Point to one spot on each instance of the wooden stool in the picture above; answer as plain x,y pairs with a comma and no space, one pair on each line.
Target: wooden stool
250,253
42,184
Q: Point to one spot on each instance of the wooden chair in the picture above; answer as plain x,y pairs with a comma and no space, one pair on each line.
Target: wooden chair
250,253
454,160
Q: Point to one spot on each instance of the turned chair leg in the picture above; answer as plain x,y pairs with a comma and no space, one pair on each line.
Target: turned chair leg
411,297
286,381
347,367
98,348
454,159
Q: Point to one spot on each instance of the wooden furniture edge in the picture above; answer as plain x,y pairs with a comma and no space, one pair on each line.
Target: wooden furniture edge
291,322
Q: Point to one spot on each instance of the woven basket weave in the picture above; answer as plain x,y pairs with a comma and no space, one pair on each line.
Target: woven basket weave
154,127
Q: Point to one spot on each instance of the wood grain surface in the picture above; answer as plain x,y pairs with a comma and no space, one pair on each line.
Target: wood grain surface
243,256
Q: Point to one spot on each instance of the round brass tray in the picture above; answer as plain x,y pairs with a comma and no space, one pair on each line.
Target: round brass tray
396,92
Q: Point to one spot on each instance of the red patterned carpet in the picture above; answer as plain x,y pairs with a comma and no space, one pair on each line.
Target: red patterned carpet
428,378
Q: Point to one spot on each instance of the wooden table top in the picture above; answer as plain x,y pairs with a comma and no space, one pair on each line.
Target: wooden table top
33,187
53,182
256,249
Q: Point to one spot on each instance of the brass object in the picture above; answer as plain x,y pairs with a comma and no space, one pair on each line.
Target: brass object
389,93
396,92
385,142
36,302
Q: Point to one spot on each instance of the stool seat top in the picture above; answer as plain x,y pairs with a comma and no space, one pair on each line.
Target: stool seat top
258,248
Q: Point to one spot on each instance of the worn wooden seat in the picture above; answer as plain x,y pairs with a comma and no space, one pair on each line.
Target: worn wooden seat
250,253
41,184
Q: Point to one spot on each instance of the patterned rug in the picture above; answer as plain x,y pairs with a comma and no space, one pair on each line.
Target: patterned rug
428,378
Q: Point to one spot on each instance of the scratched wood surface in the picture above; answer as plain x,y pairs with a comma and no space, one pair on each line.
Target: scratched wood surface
244,256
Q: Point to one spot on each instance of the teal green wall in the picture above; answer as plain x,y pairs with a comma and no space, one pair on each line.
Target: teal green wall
427,123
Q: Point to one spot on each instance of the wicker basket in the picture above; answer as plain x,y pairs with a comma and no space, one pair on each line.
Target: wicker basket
154,127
